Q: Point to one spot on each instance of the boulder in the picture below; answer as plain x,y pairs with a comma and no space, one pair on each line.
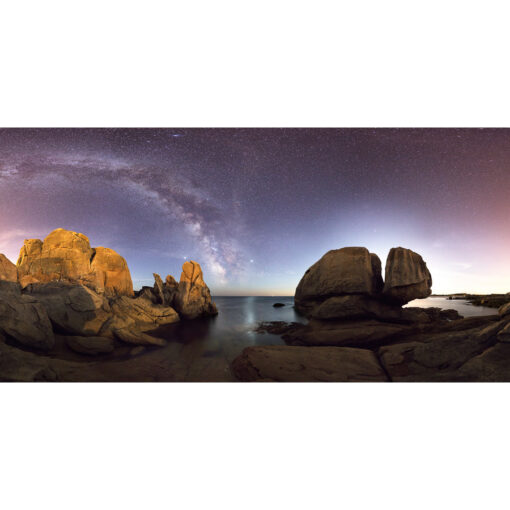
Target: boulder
406,277
112,273
66,256
339,272
8,271
72,308
307,364
24,318
91,345
193,298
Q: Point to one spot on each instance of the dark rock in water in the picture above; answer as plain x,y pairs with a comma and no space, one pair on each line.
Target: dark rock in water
90,345
278,305
307,364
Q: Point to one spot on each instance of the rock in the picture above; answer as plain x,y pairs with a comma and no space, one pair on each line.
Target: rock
24,318
307,364
158,289
132,318
366,333
435,356
91,345
135,351
278,305
193,298
66,256
504,333
406,277
112,273
73,309
353,306
8,271
504,311
337,273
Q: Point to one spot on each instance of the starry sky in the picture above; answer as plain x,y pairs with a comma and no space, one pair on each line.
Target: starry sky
256,207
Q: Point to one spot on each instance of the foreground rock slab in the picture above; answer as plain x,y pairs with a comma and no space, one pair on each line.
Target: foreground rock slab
307,364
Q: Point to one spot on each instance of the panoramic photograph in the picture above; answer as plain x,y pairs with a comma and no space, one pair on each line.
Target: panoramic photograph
254,255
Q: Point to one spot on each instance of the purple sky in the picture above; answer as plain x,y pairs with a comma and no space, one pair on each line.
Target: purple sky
256,207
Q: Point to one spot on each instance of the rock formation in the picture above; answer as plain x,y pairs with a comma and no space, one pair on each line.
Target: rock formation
307,364
348,272
23,318
8,271
84,297
66,256
193,298
346,284
406,276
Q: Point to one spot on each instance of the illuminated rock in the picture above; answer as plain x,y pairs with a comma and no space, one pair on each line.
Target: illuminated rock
8,271
66,256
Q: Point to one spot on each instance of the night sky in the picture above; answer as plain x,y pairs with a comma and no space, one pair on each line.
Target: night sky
256,207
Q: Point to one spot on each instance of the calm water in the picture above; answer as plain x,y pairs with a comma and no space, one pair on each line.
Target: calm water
202,350
463,307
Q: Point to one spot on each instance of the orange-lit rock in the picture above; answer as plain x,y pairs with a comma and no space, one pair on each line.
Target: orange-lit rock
193,298
8,270
112,272
67,256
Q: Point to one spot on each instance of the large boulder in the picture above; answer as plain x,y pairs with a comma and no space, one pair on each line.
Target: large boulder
193,298
307,364
112,273
347,271
73,309
24,318
8,271
66,256
406,277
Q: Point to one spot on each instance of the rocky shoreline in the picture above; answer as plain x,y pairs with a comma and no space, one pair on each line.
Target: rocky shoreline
65,302
358,330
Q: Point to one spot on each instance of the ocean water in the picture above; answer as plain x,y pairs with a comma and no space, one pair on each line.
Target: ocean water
203,349
462,306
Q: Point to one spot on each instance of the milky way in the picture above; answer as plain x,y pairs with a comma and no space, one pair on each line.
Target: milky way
256,207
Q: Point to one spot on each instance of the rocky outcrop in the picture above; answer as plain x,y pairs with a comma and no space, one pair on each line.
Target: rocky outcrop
8,271
24,319
193,298
307,364
347,271
66,256
406,277
347,284
77,310
190,297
